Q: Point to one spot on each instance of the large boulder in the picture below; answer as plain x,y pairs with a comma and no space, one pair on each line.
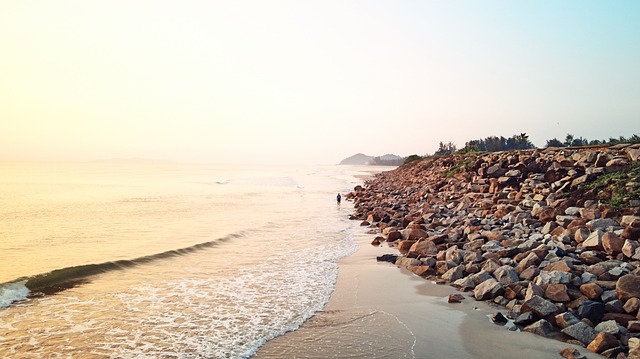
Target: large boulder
488,289
538,305
424,248
541,327
602,342
628,286
612,243
581,332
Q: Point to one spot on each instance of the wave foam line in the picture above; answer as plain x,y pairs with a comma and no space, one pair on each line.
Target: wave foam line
65,278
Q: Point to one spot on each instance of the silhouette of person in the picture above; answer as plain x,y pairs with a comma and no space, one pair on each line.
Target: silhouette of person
338,198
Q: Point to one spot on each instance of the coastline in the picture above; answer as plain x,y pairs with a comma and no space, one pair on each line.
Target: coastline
378,311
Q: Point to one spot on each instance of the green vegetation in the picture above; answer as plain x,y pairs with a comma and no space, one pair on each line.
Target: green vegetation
616,189
464,163
495,144
572,141
412,158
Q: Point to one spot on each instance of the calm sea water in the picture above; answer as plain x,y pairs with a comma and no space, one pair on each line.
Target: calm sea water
105,260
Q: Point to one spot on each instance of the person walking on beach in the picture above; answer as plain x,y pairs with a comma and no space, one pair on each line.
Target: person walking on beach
338,198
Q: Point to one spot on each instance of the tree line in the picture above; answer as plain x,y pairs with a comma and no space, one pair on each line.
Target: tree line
520,142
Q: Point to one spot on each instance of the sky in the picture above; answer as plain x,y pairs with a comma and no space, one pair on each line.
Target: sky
309,81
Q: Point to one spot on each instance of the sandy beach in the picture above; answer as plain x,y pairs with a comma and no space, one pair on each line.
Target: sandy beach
379,311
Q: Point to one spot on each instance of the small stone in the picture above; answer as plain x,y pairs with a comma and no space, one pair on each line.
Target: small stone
456,298
499,318
571,353
592,310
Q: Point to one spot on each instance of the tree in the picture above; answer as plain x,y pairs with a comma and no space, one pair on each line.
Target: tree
554,142
445,149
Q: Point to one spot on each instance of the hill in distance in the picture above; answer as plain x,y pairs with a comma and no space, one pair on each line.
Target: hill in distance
362,159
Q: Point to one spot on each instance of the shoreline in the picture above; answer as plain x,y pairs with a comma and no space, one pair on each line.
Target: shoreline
378,311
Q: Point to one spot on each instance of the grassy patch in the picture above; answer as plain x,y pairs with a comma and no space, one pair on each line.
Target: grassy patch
613,188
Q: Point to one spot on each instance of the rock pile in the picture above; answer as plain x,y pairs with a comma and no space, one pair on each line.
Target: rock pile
551,235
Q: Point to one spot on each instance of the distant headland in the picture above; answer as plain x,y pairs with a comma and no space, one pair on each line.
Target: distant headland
362,159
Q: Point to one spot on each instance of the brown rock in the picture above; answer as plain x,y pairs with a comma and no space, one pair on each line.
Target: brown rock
405,245
612,243
456,298
561,266
422,271
424,248
394,236
529,260
602,342
632,305
414,233
628,286
571,353
546,214
591,290
557,293
634,326
631,233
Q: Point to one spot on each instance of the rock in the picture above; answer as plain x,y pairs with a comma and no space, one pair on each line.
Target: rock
414,233
581,332
557,293
566,319
453,274
499,318
394,236
594,241
424,248
376,241
629,247
404,246
609,326
571,353
592,310
634,326
526,319
612,243
464,284
391,258
546,214
601,223
529,260
422,270
632,305
488,289
539,306
506,275
634,348
407,262
602,342
541,327
456,298
628,286
591,290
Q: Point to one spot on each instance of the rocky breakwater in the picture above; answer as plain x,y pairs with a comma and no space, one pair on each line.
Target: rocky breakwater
551,236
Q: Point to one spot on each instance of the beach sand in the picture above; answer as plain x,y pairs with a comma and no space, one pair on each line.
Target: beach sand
379,311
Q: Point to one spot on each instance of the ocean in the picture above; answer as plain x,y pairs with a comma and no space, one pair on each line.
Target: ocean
162,260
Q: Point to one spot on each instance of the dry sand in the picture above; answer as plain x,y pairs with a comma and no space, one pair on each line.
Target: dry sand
379,311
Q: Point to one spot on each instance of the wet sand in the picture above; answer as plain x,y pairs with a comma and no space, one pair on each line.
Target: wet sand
379,311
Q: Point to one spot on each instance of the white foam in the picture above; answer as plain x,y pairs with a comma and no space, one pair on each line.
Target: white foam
13,292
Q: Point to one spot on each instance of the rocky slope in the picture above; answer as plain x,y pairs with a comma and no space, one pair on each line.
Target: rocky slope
550,235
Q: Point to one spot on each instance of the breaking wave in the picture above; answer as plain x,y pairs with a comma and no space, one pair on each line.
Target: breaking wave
65,278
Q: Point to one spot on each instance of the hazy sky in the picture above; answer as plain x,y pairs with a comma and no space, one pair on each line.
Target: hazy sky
292,81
